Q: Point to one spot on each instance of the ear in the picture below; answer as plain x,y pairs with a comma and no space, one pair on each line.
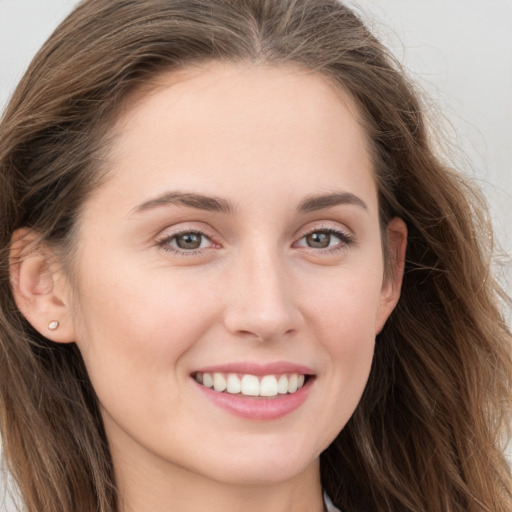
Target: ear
40,289
392,284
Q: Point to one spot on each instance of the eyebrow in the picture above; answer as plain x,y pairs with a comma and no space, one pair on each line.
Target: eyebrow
216,204
319,202
210,204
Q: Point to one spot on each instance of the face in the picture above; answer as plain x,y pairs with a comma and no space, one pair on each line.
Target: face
230,274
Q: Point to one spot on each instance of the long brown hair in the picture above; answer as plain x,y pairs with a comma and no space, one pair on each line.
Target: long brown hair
428,434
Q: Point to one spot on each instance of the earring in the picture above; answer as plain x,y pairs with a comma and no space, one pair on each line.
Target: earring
53,325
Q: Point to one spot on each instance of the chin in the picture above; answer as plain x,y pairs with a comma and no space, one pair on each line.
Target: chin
265,465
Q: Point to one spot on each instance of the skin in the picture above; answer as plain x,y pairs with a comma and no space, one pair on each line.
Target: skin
146,315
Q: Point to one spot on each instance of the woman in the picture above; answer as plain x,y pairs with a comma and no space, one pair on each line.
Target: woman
235,276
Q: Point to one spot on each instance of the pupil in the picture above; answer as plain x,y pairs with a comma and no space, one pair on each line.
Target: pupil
189,241
318,240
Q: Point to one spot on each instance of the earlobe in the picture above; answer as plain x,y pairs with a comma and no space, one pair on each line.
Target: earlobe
391,287
39,288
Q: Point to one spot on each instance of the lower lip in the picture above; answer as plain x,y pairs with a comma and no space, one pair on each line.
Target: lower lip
258,408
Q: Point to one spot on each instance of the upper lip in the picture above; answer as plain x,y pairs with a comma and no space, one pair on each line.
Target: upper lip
258,369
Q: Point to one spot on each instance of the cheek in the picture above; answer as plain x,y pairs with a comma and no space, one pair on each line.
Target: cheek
349,338
347,306
343,319
131,330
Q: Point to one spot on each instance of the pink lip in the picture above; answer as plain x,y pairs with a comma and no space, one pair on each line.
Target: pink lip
258,408
254,408
257,369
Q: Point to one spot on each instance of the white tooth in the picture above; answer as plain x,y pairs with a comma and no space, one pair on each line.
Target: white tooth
292,383
234,385
219,382
250,385
300,382
207,380
268,386
282,385
199,378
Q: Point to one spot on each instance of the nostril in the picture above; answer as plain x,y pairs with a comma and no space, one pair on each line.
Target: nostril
266,337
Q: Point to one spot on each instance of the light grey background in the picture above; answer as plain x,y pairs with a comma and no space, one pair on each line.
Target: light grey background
460,52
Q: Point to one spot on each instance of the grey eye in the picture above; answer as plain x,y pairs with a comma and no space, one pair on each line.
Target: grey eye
318,239
189,241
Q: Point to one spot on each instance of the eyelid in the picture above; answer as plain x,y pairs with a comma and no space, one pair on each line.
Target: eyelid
323,225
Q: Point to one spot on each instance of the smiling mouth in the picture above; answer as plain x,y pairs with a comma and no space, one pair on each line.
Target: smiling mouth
252,385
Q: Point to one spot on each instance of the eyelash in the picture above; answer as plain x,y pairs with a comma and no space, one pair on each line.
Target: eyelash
165,241
346,239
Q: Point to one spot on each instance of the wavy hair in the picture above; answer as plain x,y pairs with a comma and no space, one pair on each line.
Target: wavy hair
429,432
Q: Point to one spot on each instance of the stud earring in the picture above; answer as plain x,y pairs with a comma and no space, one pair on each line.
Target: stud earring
53,325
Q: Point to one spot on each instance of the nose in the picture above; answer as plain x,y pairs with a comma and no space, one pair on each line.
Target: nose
261,302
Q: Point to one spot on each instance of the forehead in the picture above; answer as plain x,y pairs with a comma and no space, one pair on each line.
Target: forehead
238,94
222,123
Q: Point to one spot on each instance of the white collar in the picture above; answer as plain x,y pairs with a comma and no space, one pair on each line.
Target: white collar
329,505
